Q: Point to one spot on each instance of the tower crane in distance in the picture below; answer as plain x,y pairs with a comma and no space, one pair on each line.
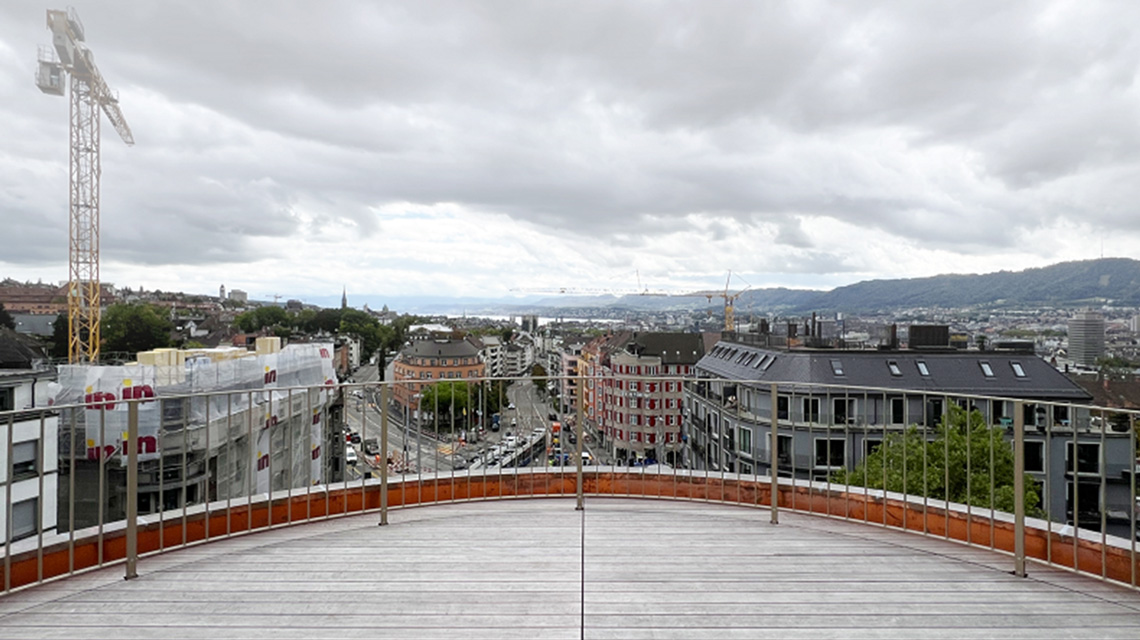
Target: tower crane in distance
69,57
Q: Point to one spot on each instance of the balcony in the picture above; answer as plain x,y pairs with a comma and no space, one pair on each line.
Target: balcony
502,551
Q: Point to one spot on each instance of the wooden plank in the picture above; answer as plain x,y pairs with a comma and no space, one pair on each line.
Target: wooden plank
511,569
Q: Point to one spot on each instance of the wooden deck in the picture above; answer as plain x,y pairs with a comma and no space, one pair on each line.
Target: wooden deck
514,569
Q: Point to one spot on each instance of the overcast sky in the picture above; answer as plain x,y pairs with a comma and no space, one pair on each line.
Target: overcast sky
468,148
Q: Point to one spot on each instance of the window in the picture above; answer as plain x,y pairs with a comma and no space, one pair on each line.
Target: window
811,409
843,410
922,370
7,398
830,452
837,367
25,459
933,412
768,363
761,361
871,445
782,407
898,410
894,367
1018,370
987,370
784,450
25,518
744,439
1035,456
1088,457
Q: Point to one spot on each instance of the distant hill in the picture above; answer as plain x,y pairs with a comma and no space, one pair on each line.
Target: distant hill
1066,283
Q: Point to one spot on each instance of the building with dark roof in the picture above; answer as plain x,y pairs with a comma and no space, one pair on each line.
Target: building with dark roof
833,406
424,361
639,419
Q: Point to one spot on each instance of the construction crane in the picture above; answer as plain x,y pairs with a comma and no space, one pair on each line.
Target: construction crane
69,56
729,303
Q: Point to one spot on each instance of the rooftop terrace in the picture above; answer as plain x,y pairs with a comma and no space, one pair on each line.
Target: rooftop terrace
536,568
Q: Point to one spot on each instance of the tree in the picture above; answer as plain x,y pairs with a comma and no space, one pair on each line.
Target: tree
363,326
6,319
59,337
449,400
261,317
538,374
909,463
132,328
327,320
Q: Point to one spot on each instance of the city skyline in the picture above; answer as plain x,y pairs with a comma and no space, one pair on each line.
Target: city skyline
475,149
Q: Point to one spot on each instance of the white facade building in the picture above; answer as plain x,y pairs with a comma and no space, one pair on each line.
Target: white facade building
32,488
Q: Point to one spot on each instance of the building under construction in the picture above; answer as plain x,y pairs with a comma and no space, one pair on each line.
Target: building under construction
213,424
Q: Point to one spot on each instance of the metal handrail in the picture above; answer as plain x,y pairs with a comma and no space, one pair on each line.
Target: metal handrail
340,496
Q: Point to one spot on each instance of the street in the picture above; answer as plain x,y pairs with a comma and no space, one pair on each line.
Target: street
433,450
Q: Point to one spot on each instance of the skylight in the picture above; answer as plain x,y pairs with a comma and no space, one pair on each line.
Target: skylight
987,370
837,367
894,367
1018,370
922,370
768,363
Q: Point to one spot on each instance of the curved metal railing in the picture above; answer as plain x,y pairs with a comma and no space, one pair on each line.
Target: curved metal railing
116,478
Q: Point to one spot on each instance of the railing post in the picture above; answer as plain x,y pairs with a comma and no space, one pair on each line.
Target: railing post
1018,489
132,451
385,394
580,428
774,458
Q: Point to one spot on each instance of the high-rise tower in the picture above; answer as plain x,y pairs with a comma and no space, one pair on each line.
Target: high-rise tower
1086,338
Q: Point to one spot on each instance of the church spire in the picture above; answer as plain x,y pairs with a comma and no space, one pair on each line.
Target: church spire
344,299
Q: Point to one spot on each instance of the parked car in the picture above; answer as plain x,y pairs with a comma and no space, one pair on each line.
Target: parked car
350,455
371,447
354,438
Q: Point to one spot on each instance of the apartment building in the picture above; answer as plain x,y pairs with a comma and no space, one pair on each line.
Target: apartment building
32,437
833,406
634,390
425,361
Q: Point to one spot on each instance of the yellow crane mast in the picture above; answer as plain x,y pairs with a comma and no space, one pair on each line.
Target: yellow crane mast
69,56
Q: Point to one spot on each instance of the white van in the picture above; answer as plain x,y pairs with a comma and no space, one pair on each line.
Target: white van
350,455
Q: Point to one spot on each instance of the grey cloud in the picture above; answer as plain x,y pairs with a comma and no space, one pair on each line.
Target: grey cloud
616,120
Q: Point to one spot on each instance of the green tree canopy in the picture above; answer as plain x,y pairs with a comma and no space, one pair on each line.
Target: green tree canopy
960,453
59,337
361,325
132,328
449,400
261,317
6,319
